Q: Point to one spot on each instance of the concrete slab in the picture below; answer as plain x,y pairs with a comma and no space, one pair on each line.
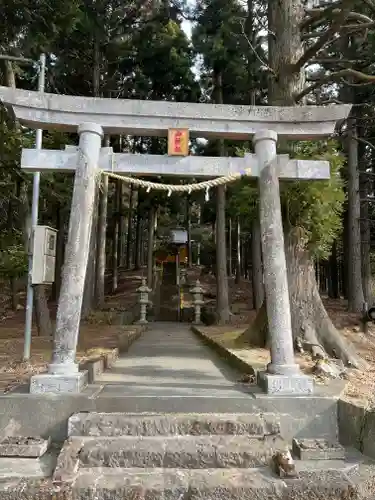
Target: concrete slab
186,452
28,467
169,361
167,371
194,424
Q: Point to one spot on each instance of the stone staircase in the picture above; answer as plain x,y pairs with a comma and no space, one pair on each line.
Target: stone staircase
201,456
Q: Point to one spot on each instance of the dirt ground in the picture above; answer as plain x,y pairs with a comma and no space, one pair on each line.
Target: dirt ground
360,384
99,334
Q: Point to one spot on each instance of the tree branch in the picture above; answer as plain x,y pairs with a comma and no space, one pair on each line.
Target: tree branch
368,79
346,27
370,4
325,38
263,63
364,141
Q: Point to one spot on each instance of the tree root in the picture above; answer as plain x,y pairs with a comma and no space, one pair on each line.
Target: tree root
320,337
335,345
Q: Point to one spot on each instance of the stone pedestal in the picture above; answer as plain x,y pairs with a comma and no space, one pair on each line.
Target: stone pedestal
286,385
45,383
63,374
283,374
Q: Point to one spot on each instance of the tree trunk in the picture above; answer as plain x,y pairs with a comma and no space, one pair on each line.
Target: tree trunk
13,281
257,266
230,265
150,248
188,228
222,294
121,229
90,281
309,317
130,229
310,321
42,312
366,260
333,278
43,320
238,260
88,302
285,49
138,236
345,258
355,288
199,243
115,235
60,244
365,225
102,234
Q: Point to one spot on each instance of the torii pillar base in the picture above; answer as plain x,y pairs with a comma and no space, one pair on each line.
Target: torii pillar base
48,383
286,385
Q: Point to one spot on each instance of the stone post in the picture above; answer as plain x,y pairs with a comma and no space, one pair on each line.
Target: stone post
63,374
197,293
143,290
283,375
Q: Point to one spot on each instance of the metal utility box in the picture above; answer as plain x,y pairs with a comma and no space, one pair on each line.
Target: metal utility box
178,236
44,255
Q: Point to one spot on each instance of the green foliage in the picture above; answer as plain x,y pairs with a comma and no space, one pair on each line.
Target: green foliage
317,206
314,206
13,257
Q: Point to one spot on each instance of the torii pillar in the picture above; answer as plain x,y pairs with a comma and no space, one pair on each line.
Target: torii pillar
283,375
63,372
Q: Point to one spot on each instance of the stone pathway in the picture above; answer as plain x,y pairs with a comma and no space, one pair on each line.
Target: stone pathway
169,360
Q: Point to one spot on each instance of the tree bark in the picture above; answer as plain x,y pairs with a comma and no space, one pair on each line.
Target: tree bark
42,313
285,49
115,235
366,260
257,266
13,281
60,243
188,228
365,226
238,253
355,288
310,321
121,229
150,248
130,229
88,302
138,236
199,243
102,234
230,265
309,317
222,294
333,278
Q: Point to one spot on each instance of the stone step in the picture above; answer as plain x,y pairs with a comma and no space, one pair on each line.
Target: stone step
124,424
317,449
211,484
185,452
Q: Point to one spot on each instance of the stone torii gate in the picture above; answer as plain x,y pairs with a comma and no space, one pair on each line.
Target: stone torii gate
92,117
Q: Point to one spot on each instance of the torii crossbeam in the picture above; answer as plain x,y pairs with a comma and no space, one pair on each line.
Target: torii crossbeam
34,160
150,118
